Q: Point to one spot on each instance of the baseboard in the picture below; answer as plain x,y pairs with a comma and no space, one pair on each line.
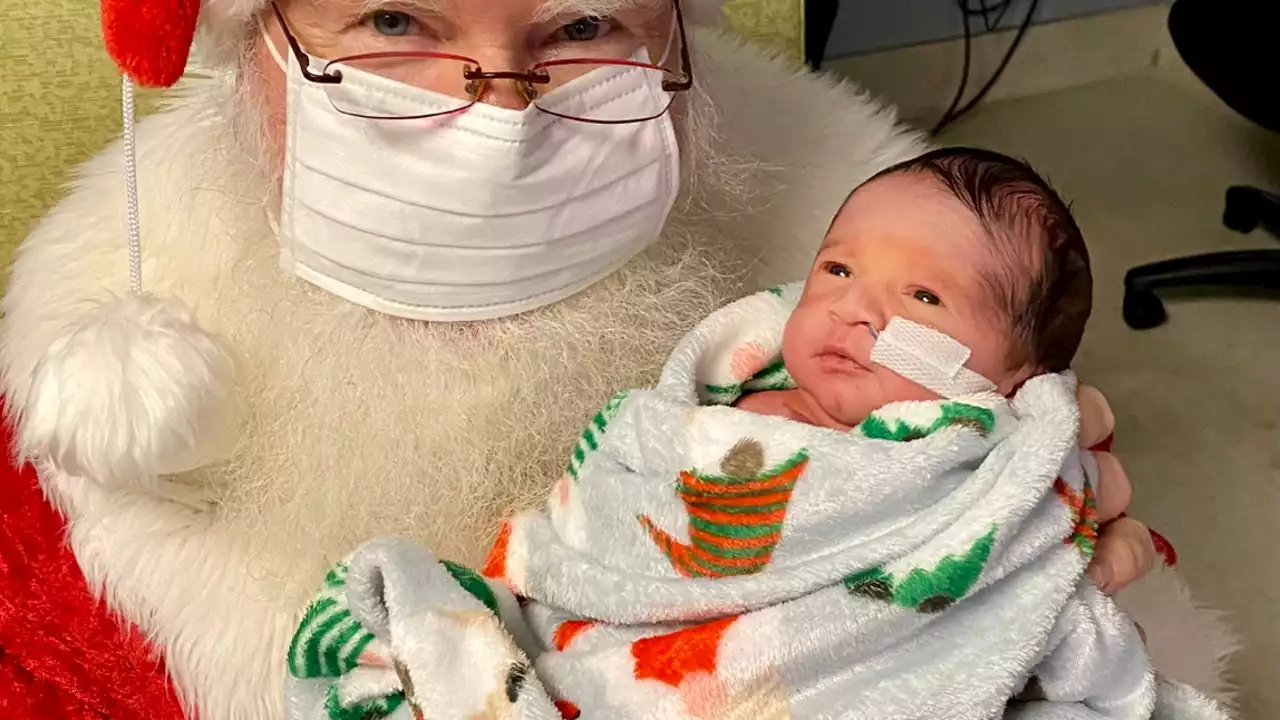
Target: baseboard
922,79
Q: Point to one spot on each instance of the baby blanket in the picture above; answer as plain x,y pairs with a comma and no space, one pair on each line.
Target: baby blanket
699,561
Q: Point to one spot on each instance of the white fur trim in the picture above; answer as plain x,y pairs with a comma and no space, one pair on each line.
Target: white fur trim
1187,642
707,13
226,13
131,391
222,32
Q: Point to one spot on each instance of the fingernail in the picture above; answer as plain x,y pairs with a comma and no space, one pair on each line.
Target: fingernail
1101,575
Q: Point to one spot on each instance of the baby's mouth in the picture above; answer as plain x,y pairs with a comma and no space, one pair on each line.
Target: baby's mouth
839,359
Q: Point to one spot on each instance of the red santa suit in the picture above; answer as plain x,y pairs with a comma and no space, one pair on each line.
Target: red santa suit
63,652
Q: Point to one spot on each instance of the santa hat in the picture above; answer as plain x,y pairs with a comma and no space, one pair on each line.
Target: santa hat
150,40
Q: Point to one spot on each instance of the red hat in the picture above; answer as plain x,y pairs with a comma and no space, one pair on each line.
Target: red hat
150,39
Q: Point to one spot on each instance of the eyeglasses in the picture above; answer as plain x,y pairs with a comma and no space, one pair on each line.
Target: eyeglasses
460,81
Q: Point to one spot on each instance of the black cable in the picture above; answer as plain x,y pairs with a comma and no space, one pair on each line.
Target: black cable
985,11
951,115
1013,47
1004,10
964,74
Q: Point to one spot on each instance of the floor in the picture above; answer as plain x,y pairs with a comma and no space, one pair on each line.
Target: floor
1145,162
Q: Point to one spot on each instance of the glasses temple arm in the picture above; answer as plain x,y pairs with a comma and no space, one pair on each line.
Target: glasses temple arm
686,63
304,60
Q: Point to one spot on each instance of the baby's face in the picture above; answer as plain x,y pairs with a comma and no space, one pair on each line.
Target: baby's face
901,246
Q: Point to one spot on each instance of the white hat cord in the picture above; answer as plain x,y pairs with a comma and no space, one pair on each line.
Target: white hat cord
131,187
134,389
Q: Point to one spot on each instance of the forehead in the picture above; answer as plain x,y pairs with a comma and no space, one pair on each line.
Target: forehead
599,8
511,10
906,207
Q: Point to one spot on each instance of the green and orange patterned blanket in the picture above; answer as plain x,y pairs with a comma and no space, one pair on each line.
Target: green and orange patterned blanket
700,561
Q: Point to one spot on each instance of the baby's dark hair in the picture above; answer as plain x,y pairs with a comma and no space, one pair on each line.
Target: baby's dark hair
1046,288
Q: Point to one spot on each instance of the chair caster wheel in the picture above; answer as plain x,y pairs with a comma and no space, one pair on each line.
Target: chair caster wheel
1240,212
1142,310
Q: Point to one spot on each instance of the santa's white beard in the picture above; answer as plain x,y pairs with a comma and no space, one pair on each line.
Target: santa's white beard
357,424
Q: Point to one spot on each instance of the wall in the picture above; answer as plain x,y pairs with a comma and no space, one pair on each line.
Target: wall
864,26
920,80
59,104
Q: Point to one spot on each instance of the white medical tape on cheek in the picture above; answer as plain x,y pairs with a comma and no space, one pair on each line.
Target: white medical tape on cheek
928,358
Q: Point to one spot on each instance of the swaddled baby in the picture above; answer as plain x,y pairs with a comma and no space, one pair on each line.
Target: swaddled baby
968,242
862,499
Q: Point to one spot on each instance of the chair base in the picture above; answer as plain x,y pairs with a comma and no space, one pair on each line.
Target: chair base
1248,207
1257,270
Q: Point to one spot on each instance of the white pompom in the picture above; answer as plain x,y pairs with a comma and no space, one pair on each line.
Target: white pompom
133,391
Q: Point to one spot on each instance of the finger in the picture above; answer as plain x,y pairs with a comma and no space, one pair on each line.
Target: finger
1096,419
1124,553
1111,487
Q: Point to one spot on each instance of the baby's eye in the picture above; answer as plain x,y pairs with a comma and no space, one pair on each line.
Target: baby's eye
391,23
837,269
926,297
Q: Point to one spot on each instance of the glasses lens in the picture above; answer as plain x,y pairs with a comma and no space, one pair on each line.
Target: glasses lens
561,95
444,77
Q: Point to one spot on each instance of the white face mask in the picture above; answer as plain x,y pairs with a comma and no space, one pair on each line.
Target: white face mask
478,215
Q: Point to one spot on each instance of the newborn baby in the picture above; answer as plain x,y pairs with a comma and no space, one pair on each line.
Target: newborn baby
968,242
859,499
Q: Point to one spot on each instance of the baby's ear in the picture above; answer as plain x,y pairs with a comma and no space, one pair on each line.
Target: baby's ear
1015,378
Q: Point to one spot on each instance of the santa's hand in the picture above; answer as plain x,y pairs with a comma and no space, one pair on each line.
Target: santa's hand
1124,551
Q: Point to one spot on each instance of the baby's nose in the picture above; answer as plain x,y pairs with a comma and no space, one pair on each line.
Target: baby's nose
854,308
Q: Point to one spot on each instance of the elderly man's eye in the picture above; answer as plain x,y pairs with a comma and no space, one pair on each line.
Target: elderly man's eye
927,297
391,23
837,269
585,29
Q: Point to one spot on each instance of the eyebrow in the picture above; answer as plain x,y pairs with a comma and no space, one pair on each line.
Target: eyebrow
829,241
596,8
426,7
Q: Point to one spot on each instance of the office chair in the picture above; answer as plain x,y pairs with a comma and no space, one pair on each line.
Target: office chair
819,19
1231,45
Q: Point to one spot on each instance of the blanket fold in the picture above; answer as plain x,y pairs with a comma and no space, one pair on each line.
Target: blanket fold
699,561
